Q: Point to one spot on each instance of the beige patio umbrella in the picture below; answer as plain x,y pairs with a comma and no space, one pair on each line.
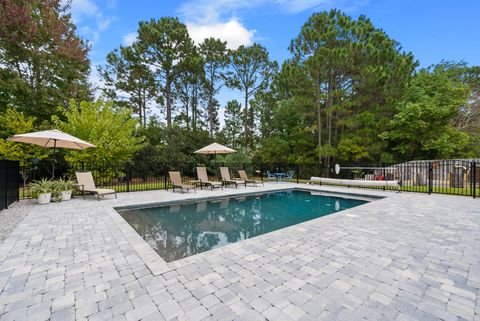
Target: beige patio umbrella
214,149
52,139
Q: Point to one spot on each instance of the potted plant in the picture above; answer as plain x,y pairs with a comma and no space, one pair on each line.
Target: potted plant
64,188
42,190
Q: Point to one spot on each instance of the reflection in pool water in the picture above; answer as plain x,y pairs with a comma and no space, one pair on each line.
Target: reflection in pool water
181,230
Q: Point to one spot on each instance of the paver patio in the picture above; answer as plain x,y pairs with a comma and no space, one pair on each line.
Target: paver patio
404,257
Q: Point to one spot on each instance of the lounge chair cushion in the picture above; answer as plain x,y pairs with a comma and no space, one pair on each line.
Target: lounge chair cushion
100,191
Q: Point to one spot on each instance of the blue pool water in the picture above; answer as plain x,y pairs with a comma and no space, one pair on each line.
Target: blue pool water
180,230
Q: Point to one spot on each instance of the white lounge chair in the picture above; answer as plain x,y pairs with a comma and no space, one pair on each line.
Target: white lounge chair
86,183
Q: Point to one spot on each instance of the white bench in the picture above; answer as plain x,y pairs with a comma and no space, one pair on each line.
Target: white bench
354,182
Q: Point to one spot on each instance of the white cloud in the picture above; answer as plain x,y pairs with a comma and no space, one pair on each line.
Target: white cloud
84,8
96,81
296,6
129,38
90,18
218,18
233,32
214,10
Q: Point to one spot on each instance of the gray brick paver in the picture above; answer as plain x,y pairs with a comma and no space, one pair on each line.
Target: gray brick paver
406,257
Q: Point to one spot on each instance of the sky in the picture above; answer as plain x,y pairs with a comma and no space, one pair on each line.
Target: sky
433,30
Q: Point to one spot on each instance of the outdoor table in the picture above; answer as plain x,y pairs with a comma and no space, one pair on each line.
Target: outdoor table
279,176
196,183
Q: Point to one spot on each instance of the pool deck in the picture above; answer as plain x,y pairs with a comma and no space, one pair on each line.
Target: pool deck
407,256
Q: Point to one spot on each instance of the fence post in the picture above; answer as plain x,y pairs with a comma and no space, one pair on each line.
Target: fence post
430,178
384,177
165,177
129,176
261,171
297,171
474,179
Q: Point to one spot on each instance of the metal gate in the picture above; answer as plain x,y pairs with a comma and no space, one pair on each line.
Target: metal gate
9,182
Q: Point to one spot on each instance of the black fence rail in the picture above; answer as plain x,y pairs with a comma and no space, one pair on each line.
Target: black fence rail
9,181
453,177
456,177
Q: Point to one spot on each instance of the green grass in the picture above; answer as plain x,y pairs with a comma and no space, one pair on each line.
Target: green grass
465,191
137,187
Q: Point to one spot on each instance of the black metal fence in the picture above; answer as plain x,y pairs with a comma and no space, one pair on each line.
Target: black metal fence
453,177
457,177
9,182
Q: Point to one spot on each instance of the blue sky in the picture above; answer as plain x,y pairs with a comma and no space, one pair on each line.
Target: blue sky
432,30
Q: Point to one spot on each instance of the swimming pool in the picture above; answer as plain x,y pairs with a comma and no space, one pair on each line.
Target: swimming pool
179,230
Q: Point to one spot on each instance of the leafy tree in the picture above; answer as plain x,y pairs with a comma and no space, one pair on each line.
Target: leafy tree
233,123
467,118
164,43
111,129
13,122
422,127
289,141
190,89
213,124
263,106
129,80
43,63
216,58
252,72
356,71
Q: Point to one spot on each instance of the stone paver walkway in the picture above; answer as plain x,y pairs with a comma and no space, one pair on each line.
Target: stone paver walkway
404,257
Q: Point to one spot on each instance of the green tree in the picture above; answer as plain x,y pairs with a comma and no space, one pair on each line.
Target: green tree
129,80
190,89
165,43
467,118
216,58
111,129
213,123
263,106
233,123
13,122
422,127
290,140
357,73
252,71
43,63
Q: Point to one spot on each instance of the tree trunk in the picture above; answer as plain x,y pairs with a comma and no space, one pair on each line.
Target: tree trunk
167,97
319,121
329,106
245,120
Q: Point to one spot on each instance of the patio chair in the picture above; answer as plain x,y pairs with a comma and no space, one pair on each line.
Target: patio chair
228,181
290,175
176,181
243,175
270,175
86,184
203,178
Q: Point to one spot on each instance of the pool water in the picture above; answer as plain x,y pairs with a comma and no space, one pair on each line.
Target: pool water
184,229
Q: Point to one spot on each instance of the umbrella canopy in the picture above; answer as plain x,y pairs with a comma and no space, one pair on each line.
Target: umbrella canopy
214,149
51,139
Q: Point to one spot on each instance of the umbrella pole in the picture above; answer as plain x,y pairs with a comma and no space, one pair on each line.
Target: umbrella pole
54,157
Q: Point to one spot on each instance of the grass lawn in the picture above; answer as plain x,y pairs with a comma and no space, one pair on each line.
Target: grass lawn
149,186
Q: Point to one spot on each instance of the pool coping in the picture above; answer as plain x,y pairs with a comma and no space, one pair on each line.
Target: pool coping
157,265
